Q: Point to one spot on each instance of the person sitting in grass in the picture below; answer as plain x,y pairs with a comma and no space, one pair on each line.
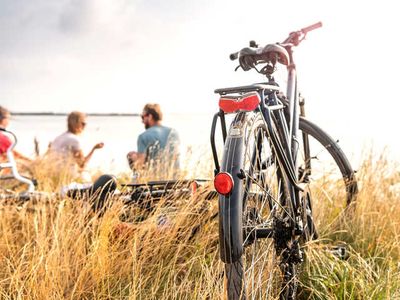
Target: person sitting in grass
67,146
158,145
6,142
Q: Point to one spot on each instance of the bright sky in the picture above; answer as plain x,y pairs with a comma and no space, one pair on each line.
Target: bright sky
116,55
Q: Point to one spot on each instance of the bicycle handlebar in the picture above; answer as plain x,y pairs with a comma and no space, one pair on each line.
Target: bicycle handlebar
294,37
13,165
234,56
311,27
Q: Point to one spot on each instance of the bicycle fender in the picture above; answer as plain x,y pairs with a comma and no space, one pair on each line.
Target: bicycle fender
231,206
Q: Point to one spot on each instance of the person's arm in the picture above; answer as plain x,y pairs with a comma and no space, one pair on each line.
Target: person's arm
81,159
136,159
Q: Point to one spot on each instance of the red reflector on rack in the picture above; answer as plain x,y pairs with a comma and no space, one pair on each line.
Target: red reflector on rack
223,183
247,102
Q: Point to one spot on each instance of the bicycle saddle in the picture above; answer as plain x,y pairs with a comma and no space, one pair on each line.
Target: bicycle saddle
249,57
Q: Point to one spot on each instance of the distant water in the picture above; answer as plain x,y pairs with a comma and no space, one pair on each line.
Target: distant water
119,134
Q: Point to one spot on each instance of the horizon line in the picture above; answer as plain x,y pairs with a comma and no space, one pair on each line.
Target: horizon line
66,114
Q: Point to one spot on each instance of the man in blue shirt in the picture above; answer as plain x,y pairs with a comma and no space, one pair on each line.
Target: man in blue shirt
157,144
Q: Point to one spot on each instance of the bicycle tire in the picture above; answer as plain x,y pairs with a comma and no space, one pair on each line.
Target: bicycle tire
332,146
234,268
341,187
258,201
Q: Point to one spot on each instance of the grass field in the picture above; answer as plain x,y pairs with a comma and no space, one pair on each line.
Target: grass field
55,248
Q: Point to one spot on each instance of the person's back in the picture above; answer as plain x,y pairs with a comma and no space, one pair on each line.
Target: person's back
5,143
158,146
62,151
66,149
66,143
158,138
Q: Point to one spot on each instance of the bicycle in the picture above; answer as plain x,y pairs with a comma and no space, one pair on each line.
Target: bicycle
269,178
11,164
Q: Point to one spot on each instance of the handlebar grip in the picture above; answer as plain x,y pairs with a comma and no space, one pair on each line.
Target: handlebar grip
311,27
234,56
2,129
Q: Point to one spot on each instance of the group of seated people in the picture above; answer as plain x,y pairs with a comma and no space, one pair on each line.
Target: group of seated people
157,143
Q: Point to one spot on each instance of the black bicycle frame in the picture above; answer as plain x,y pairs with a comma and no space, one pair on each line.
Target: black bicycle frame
285,142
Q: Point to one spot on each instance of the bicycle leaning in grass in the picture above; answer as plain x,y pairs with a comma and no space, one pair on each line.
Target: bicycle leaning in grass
279,174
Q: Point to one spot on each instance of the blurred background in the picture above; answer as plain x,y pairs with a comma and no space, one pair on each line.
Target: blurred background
114,56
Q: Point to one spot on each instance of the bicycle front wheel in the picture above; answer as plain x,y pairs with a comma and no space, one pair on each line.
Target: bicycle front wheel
255,220
327,171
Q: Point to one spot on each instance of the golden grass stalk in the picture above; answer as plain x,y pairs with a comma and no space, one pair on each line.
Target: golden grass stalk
58,248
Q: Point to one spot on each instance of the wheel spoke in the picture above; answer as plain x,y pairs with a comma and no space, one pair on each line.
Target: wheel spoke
267,267
268,193
264,200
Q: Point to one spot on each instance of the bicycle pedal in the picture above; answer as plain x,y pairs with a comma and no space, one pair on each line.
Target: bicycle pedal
339,252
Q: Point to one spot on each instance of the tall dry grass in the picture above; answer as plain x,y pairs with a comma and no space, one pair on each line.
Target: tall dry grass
371,233
56,248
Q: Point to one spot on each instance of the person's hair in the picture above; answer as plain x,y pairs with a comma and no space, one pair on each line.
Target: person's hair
74,120
4,113
154,110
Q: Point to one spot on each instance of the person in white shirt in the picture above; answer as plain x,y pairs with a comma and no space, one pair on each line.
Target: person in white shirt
68,145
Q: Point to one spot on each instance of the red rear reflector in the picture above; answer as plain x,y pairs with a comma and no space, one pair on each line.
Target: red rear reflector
223,183
247,102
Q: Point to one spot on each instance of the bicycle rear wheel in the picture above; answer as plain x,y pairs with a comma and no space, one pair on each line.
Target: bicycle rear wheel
325,168
256,236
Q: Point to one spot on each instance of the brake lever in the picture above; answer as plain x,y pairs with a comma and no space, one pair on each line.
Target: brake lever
253,44
237,67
